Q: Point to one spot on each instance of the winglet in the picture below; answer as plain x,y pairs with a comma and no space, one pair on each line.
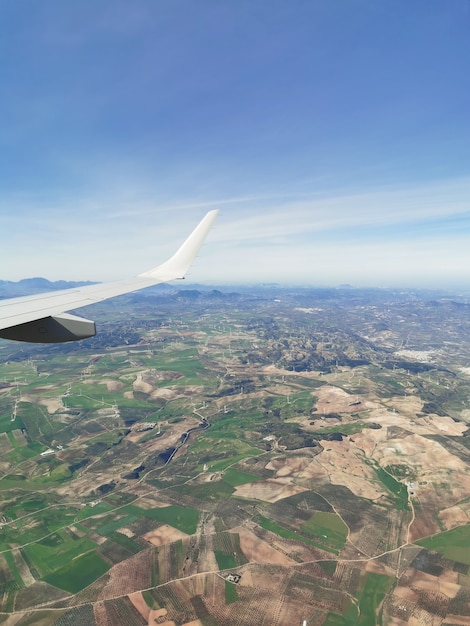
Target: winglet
42,318
180,262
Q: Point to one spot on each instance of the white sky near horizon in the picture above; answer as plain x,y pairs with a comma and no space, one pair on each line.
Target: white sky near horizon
333,135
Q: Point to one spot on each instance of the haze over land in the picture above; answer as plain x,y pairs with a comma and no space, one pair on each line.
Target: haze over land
334,136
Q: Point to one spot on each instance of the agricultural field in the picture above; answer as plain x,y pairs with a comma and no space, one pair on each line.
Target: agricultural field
241,458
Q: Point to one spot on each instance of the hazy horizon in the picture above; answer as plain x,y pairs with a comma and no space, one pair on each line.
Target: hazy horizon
452,289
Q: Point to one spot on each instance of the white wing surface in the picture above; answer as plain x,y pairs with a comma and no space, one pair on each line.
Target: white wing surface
42,318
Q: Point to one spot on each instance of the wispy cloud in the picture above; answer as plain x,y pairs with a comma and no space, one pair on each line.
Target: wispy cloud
378,209
401,232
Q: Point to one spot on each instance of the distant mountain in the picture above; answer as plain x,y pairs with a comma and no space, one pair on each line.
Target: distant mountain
30,286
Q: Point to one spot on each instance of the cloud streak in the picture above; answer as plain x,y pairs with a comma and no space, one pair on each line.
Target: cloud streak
414,233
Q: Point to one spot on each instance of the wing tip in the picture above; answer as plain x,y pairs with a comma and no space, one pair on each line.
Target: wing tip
177,265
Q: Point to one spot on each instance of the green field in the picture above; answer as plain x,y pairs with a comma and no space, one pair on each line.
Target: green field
235,477
290,534
345,429
328,527
219,455
453,544
398,489
232,426
367,610
90,511
218,466
371,597
47,559
224,560
231,594
215,490
115,524
79,573
6,425
180,517
13,570
17,481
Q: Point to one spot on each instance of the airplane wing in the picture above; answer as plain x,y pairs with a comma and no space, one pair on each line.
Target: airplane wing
42,318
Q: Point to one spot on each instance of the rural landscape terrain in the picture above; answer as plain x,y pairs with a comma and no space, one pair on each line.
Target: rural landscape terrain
241,457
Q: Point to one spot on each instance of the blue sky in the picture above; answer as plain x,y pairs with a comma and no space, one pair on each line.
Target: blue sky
334,135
